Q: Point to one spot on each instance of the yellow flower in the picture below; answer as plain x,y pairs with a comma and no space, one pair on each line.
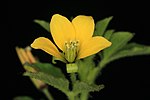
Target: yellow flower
73,38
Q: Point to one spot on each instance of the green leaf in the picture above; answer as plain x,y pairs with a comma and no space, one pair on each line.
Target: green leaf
23,98
101,26
85,66
108,34
119,40
131,49
48,69
80,87
43,23
59,83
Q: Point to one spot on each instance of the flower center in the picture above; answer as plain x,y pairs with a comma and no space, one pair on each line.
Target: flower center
71,49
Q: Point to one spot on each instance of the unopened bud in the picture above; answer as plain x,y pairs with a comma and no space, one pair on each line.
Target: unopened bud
72,68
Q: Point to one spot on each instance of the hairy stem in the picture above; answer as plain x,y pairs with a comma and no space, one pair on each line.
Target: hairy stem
47,94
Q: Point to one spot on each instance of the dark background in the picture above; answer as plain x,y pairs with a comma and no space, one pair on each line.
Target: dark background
127,78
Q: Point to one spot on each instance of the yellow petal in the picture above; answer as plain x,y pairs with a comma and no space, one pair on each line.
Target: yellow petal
84,26
30,55
46,45
22,59
62,30
93,46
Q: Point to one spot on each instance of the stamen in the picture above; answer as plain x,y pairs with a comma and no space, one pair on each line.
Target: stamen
71,48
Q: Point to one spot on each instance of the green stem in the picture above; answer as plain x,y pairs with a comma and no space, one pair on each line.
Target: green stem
101,65
84,96
73,78
71,96
47,94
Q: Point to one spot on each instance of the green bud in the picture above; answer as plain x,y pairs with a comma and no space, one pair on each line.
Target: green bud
72,68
